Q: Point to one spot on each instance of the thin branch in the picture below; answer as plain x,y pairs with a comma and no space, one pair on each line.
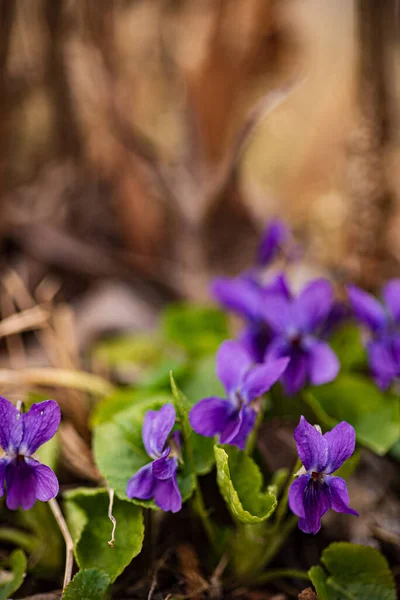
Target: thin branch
69,544
32,318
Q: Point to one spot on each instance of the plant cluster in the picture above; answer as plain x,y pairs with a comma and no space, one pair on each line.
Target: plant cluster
323,364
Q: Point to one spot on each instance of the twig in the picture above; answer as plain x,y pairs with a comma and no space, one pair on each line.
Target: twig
111,517
69,544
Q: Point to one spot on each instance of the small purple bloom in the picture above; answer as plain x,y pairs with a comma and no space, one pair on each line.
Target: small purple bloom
274,238
311,495
27,480
233,418
297,325
158,479
245,296
383,321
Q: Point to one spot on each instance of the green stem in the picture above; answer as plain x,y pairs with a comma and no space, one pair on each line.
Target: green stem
18,538
252,440
281,574
198,503
278,539
283,504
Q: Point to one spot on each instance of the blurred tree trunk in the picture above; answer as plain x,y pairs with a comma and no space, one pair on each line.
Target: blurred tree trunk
372,202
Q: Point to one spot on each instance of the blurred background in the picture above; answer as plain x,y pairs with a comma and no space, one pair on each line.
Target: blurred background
145,143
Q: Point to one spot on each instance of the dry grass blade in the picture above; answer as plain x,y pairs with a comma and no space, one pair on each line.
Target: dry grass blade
76,454
66,378
32,318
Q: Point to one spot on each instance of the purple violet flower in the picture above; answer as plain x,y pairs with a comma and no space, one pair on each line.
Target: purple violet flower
297,324
313,493
274,238
27,480
233,418
383,322
158,479
245,296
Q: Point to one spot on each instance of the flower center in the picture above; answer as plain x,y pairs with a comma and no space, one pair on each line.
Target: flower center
317,477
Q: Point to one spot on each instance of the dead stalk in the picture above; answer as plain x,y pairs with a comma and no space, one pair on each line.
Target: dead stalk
69,544
111,517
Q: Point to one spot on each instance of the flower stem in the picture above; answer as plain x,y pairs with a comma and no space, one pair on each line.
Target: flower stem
283,504
282,574
252,439
69,544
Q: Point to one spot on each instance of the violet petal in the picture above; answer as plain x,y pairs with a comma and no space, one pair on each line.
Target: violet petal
3,464
296,495
157,426
312,305
247,423
164,467
40,423
278,312
21,485
339,495
46,480
317,502
296,373
210,416
239,295
366,308
231,365
167,495
141,484
323,363
341,441
10,426
312,447
391,296
261,378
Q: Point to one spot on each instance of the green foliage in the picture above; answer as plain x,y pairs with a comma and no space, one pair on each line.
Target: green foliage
124,399
353,398
240,482
88,584
353,572
11,579
147,358
87,516
347,343
202,382
198,329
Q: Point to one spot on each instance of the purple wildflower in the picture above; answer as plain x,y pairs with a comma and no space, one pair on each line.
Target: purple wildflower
158,479
27,480
297,324
312,494
383,322
233,418
274,238
245,296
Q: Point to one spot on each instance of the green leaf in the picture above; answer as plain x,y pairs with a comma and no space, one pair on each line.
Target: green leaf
119,451
87,516
198,329
144,357
354,572
319,578
199,449
202,382
347,344
121,400
240,483
88,584
374,415
11,580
